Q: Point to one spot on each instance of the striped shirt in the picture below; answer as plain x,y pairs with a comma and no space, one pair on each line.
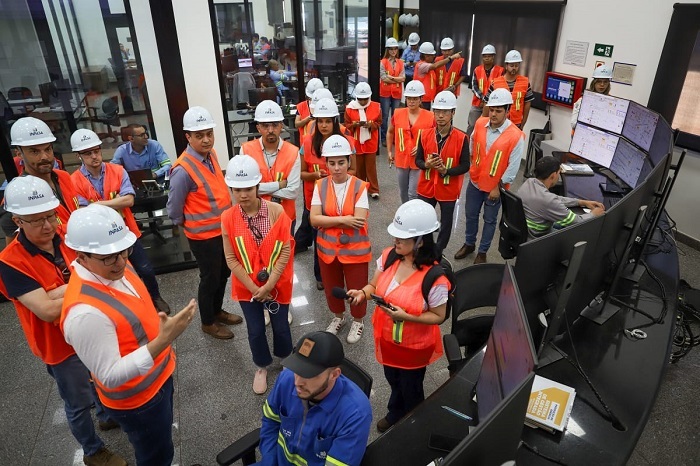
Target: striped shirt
259,224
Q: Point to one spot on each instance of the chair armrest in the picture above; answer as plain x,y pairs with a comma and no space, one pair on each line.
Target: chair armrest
453,352
241,449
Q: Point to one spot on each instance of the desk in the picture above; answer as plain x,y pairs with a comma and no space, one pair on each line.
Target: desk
627,373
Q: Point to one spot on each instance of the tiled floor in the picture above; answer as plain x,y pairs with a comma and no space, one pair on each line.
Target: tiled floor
214,402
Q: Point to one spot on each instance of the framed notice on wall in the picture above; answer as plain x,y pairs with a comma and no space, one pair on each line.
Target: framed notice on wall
623,73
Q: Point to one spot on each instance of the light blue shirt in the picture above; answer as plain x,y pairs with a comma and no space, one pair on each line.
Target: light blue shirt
410,55
153,157
99,184
515,156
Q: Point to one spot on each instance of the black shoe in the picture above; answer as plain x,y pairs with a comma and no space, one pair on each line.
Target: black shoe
383,425
107,425
299,249
464,251
161,305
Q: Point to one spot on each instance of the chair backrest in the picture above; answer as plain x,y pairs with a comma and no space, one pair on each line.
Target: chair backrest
513,226
477,286
19,93
358,375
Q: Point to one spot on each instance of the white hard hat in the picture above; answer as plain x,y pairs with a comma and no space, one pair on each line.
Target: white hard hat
391,42
426,48
242,171
389,22
413,218
268,111
84,139
30,131
27,195
445,100
98,229
602,72
322,93
326,108
413,38
197,119
513,57
312,86
447,44
363,91
336,146
499,97
414,88
488,50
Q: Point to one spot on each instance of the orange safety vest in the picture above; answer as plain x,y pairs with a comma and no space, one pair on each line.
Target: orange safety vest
70,197
137,323
357,250
254,258
203,207
430,83
484,81
430,183
373,113
44,338
406,135
393,90
487,167
303,111
404,344
112,184
284,162
518,93
315,163
451,74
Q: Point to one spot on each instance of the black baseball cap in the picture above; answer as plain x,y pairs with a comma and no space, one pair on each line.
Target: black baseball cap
314,353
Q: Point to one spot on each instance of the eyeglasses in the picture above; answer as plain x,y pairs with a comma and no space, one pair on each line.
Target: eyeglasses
62,267
269,126
112,258
39,222
91,153
143,135
257,234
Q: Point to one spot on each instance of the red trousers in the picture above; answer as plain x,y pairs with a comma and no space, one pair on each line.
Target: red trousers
367,171
348,276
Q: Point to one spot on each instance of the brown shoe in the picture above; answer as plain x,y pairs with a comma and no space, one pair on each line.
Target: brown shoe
161,305
217,331
383,425
319,285
104,457
480,258
228,318
464,251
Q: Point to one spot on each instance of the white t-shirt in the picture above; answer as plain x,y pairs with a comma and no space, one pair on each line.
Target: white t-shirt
341,191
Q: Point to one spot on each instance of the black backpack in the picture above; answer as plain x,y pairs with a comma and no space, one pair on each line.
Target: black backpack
436,271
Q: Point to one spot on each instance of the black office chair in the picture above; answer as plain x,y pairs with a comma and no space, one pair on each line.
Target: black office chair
513,226
244,448
479,286
109,116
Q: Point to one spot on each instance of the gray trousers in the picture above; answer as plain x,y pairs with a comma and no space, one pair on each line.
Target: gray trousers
474,115
408,183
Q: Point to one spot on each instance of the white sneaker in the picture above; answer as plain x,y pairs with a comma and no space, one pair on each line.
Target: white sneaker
289,317
266,316
335,325
355,331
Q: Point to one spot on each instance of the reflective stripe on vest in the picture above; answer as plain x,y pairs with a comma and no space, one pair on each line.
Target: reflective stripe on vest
215,210
269,413
293,458
244,255
397,331
496,161
448,165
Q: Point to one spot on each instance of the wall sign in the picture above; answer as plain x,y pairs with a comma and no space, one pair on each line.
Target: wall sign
603,50
575,53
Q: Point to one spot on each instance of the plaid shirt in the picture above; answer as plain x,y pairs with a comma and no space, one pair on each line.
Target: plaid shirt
259,222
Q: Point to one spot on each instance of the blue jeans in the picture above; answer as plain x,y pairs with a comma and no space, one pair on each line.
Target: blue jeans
73,383
389,104
475,199
281,335
406,391
143,267
150,427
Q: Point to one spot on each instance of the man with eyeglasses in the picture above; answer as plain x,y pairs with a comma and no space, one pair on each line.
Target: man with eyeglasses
34,142
107,184
117,332
34,270
278,160
197,198
142,153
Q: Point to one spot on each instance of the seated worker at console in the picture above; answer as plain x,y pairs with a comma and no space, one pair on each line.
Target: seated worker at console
545,210
142,153
315,415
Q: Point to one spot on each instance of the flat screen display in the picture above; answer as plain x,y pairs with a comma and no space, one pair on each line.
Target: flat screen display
640,125
560,90
594,145
603,111
627,163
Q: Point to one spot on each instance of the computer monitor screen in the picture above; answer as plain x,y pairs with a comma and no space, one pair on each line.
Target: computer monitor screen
245,62
603,111
594,145
640,125
510,354
627,163
255,96
662,143
560,90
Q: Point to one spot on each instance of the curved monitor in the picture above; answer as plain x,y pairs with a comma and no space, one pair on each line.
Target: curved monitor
594,145
640,125
603,111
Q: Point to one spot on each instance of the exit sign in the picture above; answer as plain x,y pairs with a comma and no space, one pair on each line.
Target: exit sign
603,50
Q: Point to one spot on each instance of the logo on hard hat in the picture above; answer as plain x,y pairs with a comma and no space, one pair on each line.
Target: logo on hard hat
36,132
201,119
270,111
397,220
115,229
85,138
35,195
241,173
336,145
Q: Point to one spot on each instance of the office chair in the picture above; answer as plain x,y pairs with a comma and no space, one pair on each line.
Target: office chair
513,226
244,448
480,285
108,117
20,93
